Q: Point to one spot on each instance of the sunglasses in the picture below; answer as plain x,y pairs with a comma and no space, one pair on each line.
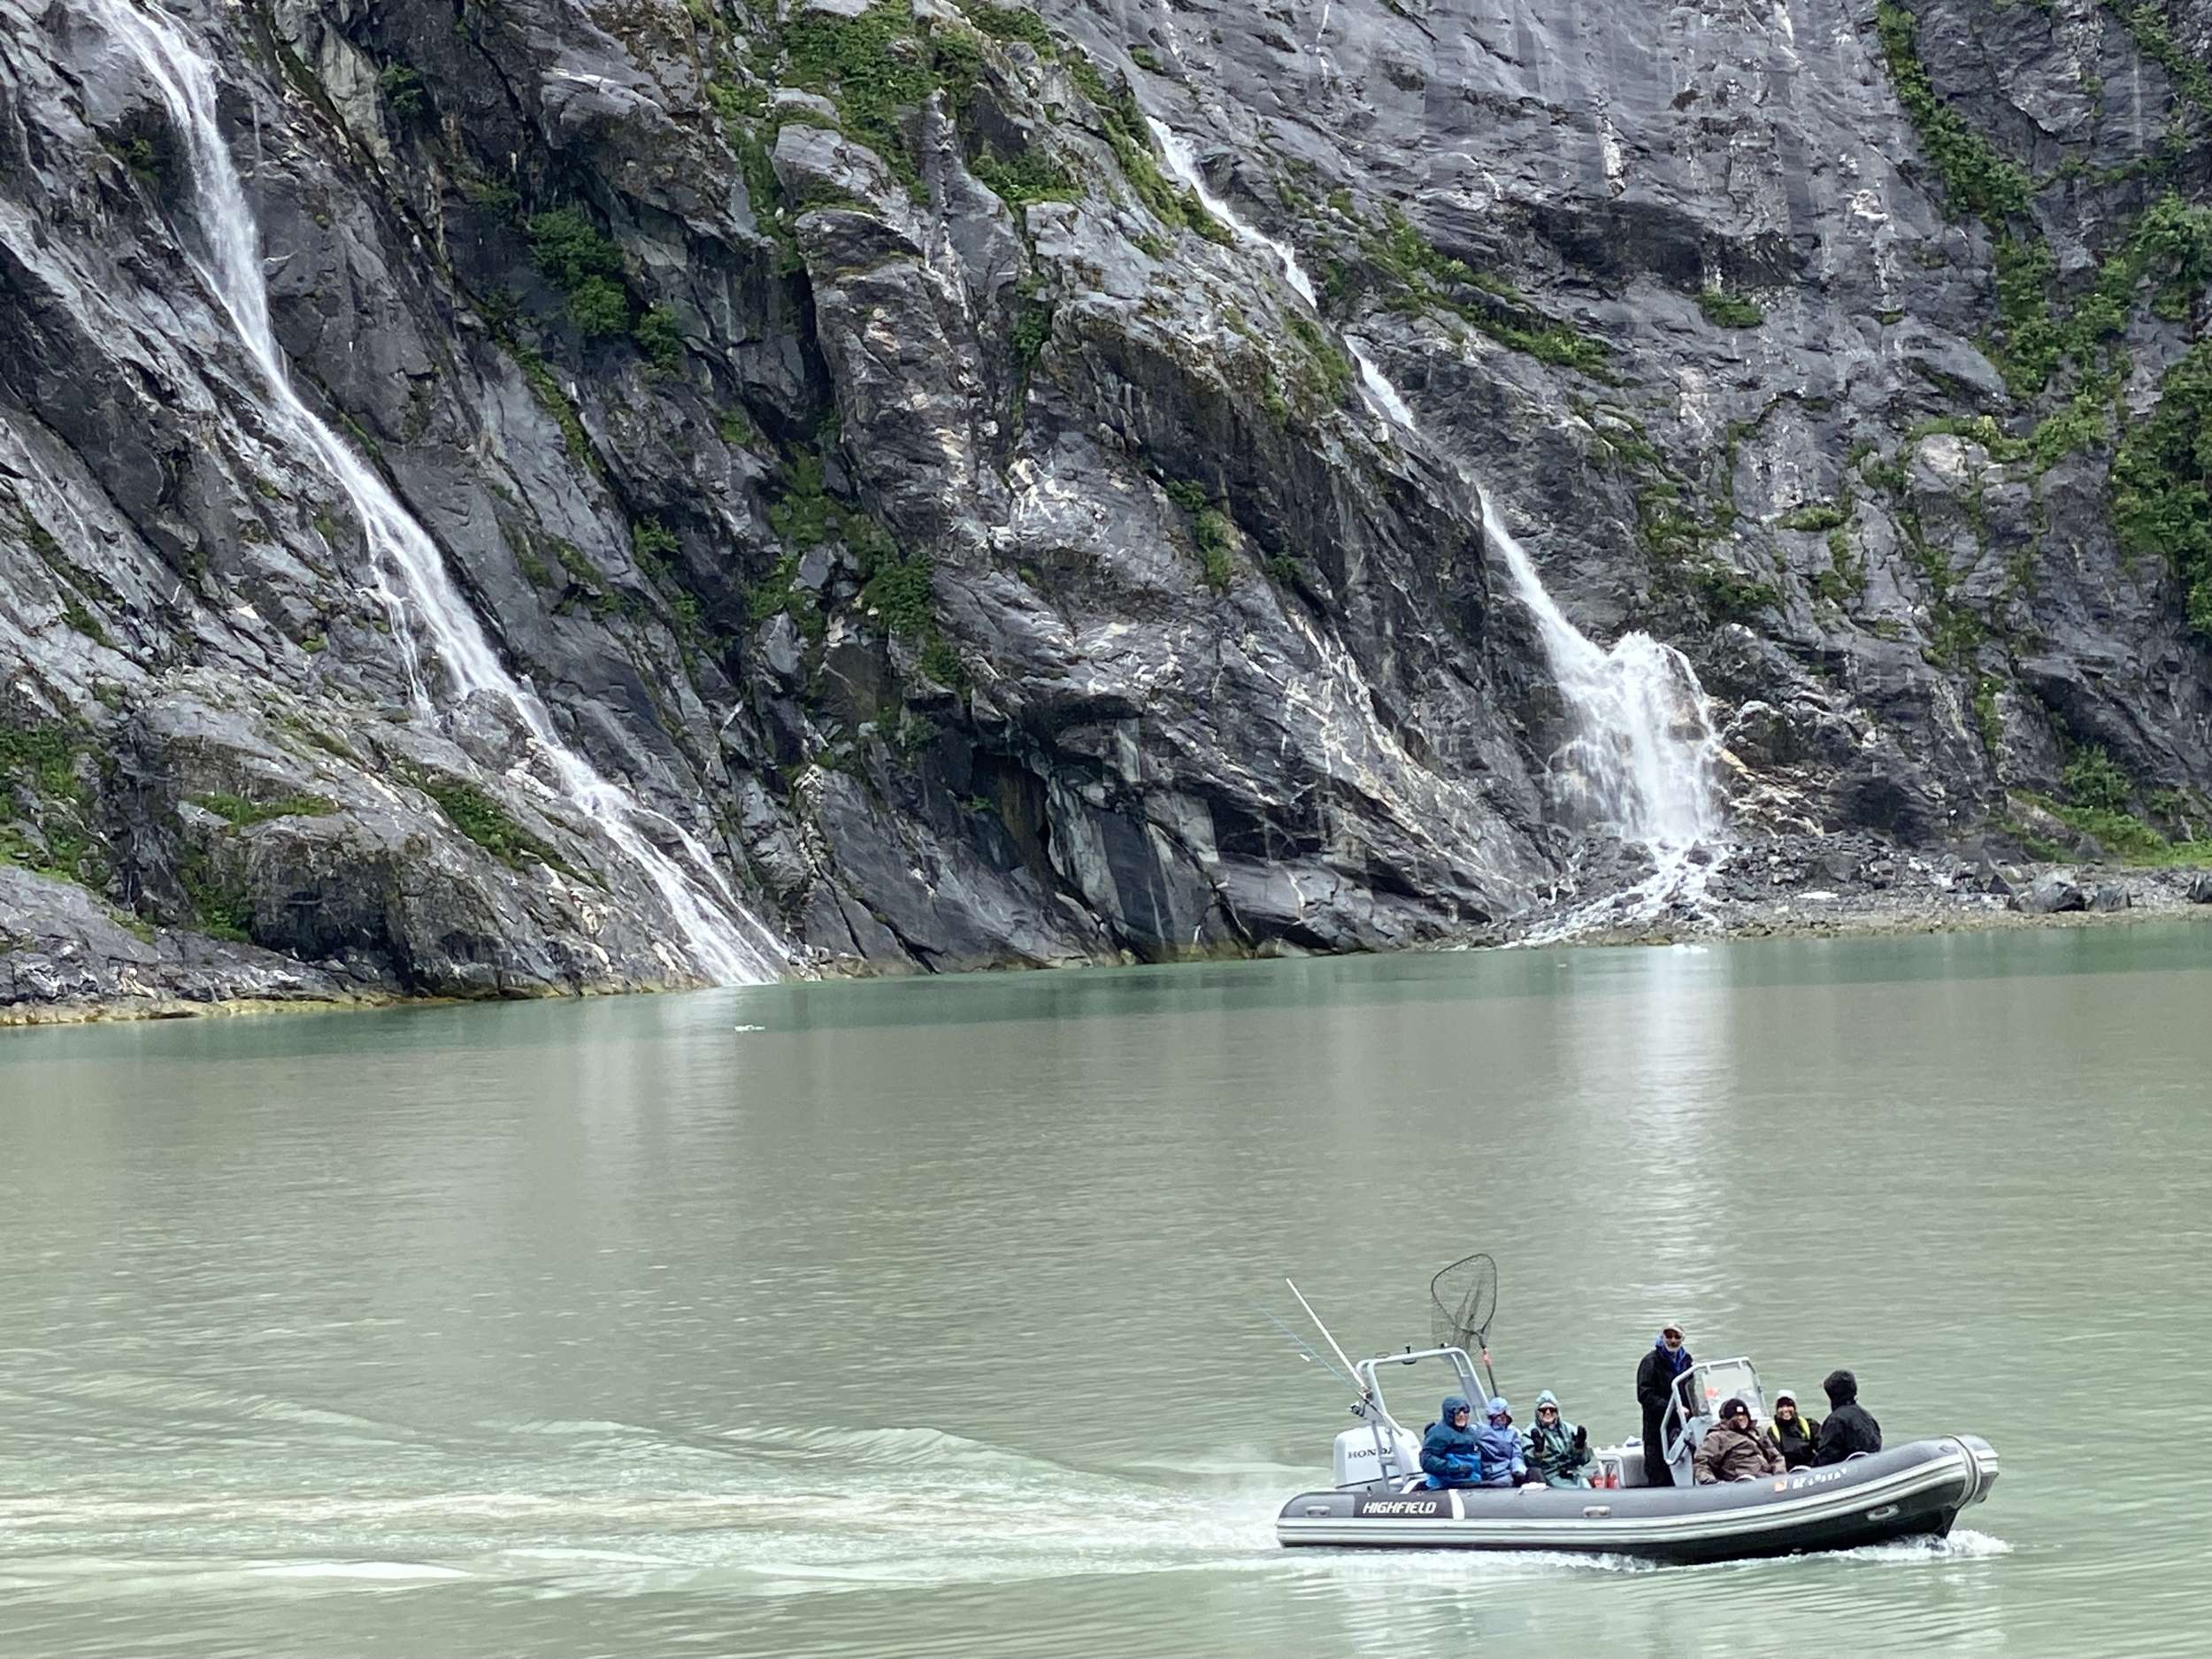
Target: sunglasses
1546,1411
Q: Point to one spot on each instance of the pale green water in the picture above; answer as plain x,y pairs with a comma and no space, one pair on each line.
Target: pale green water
919,1321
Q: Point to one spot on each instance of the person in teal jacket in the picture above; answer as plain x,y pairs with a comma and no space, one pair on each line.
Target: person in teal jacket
1558,1451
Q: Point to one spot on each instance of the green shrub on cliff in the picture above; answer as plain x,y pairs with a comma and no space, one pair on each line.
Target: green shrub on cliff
2093,780
1725,310
2162,482
570,253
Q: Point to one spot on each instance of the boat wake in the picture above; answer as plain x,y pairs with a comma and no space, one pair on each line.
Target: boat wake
613,1508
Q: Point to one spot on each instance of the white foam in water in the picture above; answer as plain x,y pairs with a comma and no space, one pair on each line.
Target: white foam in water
1641,762
724,943
366,1571
1961,1545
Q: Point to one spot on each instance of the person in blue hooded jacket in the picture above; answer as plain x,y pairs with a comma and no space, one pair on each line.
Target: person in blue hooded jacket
1503,1464
1450,1453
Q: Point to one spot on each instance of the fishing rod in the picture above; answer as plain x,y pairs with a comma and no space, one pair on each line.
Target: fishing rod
1363,1393
1305,1348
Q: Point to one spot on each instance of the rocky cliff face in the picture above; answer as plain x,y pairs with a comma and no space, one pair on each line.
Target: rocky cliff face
967,553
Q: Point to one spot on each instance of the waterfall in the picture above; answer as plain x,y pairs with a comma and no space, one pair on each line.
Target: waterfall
430,619
1640,764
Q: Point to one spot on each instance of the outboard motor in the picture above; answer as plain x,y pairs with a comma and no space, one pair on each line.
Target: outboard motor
1372,1454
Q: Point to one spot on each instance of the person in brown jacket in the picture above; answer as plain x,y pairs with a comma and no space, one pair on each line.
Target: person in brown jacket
1731,1450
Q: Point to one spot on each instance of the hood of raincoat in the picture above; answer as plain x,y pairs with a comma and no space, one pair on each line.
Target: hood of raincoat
1497,1407
1546,1398
1842,1387
1452,1403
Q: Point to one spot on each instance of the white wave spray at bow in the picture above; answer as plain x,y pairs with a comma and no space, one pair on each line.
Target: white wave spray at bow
1641,764
724,942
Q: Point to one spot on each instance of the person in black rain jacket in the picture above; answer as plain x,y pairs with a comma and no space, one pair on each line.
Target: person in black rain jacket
1850,1427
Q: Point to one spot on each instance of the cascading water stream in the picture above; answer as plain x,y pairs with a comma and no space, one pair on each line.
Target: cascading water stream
1641,762
724,943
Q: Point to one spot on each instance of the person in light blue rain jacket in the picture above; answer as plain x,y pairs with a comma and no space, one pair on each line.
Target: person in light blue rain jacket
1450,1453
1503,1464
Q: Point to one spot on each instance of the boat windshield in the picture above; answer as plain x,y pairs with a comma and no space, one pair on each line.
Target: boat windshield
1726,1380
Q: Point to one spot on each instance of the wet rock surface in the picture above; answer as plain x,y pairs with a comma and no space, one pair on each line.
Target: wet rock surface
887,475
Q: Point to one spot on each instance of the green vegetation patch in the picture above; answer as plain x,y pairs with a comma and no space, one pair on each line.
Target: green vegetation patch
1129,136
548,390
1027,177
877,68
402,91
41,784
486,823
1977,179
220,904
2172,241
1322,370
900,590
1980,180
1725,310
2161,482
2123,834
1987,721
570,253
1845,578
1032,328
1429,280
2147,22
1823,514
2093,780
1011,23
1212,532
246,813
1731,595
658,336
742,110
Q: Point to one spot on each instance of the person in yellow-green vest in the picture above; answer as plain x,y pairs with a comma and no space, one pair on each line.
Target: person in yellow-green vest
1792,1433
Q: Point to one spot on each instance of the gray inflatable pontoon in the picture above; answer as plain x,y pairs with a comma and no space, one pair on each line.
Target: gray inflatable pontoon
1381,1500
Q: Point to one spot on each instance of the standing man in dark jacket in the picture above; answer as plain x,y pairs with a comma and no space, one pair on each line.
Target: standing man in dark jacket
1850,1426
1793,1433
1655,1387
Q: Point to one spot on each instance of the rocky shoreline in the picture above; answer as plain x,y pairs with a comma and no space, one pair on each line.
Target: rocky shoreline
1845,884
68,961
65,959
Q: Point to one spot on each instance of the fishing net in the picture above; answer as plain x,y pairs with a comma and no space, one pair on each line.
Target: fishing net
1462,1300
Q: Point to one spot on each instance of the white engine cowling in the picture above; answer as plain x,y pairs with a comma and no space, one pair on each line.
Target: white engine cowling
1360,1455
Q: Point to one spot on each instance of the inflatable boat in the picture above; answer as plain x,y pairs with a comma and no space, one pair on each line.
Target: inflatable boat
1382,1501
